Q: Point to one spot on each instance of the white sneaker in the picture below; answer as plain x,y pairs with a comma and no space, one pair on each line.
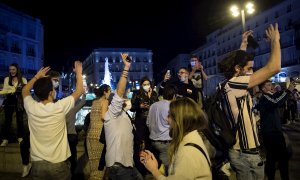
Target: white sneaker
20,140
26,170
4,143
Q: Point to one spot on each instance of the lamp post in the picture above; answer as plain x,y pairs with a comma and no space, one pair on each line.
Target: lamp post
236,11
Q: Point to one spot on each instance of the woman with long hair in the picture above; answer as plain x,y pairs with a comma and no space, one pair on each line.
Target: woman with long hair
12,88
141,102
188,156
13,102
94,147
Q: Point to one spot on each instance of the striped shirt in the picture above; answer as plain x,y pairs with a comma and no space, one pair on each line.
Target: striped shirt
240,102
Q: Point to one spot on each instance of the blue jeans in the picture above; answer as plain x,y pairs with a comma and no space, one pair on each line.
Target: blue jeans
246,166
162,148
120,172
44,170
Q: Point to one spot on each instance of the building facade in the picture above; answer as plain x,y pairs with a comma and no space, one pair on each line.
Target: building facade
21,42
228,38
108,60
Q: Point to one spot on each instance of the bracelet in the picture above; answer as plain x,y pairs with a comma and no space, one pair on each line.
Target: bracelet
35,77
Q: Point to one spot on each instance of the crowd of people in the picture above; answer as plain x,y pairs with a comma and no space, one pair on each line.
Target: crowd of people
165,138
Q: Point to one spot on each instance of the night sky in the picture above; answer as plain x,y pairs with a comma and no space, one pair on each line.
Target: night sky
72,29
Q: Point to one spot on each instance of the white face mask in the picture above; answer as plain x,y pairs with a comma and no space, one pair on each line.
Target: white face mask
128,105
193,63
146,88
55,84
182,79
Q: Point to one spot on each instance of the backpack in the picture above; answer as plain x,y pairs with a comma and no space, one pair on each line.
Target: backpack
221,131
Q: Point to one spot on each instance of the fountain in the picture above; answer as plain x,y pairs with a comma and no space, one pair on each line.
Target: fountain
107,75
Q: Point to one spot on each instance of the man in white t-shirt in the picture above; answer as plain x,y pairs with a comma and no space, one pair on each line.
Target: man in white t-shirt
47,124
238,69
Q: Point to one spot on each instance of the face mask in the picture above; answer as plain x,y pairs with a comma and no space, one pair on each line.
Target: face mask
128,105
146,88
193,63
55,84
182,79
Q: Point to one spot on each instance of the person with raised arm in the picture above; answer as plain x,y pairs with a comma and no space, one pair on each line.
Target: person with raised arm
119,133
47,124
237,68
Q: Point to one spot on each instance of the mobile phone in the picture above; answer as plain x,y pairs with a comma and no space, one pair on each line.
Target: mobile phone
252,42
128,59
168,72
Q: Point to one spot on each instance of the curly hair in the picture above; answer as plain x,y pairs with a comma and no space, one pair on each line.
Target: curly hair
238,57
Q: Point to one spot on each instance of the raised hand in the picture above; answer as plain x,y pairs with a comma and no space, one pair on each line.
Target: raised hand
124,56
167,76
78,67
273,33
42,72
246,35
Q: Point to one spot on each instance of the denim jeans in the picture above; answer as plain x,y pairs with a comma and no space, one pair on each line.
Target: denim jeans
124,173
162,148
44,170
246,166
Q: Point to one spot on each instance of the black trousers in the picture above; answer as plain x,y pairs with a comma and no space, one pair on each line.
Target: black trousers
24,149
73,141
276,152
8,111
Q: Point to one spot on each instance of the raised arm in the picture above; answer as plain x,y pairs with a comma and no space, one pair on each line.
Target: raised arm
79,83
244,42
204,75
41,73
123,79
198,66
274,64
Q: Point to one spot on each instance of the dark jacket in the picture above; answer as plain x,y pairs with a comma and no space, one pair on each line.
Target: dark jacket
139,97
269,114
184,90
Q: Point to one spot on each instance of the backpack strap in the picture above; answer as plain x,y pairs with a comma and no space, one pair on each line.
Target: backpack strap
200,149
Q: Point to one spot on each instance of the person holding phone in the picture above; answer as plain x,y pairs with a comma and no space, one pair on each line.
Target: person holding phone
188,155
197,76
141,102
119,132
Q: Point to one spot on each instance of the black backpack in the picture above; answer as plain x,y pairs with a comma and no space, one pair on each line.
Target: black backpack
221,131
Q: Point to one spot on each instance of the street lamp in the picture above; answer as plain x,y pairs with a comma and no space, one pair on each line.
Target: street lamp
236,11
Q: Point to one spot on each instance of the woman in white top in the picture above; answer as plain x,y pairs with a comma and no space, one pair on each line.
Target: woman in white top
12,87
188,155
